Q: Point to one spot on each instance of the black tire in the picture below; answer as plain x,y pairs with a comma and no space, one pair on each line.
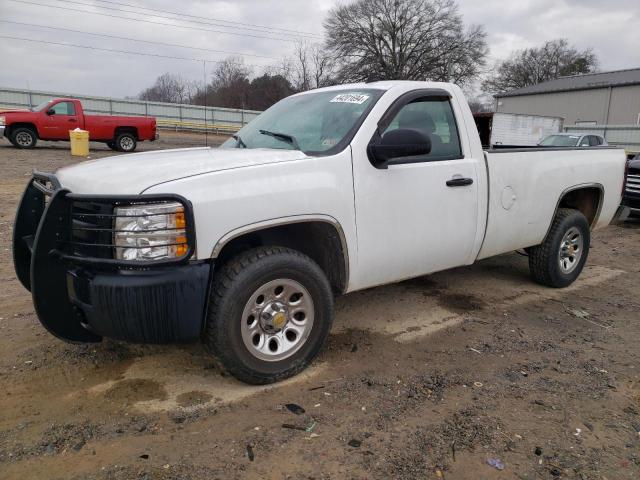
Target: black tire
126,142
544,259
24,137
232,288
112,146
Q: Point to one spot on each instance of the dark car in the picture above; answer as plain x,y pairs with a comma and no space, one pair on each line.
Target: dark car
631,197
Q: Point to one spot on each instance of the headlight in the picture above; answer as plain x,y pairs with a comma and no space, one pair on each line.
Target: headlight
150,232
2,120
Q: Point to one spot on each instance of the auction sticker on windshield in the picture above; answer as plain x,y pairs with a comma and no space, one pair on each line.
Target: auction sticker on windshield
357,98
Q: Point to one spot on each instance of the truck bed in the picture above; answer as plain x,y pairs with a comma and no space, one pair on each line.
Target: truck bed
521,180
102,127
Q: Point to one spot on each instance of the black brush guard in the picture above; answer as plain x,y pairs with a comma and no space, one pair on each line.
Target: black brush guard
64,254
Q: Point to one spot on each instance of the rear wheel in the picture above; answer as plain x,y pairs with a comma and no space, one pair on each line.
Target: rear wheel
271,310
24,137
558,261
126,142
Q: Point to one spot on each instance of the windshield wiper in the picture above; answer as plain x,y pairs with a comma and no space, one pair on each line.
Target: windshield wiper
237,138
282,136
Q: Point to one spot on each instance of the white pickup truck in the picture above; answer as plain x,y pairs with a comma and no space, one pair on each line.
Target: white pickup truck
327,192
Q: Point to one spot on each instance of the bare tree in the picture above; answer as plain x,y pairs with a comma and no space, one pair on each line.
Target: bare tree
323,67
229,72
192,88
531,66
478,105
171,88
229,85
404,39
310,67
284,68
302,67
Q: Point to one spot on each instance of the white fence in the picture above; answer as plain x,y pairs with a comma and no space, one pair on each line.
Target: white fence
168,115
624,136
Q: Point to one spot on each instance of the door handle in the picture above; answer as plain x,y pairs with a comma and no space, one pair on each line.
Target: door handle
459,182
72,120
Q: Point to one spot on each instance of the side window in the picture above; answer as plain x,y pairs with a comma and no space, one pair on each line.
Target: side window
64,108
584,142
594,141
435,118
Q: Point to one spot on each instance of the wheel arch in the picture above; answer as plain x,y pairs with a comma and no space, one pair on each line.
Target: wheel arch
319,237
586,198
125,129
29,125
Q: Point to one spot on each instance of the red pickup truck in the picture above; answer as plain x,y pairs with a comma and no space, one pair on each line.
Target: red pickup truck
52,120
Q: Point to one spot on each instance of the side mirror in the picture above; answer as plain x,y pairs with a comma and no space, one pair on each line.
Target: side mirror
399,143
51,111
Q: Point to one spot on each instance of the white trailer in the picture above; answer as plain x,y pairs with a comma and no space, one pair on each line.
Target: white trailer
509,129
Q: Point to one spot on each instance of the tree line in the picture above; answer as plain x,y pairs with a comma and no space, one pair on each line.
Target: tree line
369,40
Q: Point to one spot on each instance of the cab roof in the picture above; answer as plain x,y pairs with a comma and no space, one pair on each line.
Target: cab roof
380,85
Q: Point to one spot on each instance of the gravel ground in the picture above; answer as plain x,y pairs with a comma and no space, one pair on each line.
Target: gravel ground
430,378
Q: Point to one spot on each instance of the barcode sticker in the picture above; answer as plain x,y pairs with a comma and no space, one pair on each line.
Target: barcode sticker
357,98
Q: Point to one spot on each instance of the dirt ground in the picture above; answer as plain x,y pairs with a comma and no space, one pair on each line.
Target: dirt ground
430,378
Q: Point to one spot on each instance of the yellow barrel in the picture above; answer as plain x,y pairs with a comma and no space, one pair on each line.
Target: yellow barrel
79,142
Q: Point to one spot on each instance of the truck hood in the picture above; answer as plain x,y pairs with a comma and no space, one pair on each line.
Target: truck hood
14,112
132,174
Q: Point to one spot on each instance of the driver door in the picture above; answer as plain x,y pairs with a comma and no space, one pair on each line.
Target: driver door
59,119
420,214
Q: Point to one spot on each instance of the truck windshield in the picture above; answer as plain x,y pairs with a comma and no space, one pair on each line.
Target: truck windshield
320,123
560,141
40,106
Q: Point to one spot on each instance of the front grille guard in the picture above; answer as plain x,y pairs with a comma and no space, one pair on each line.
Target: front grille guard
82,237
46,256
101,251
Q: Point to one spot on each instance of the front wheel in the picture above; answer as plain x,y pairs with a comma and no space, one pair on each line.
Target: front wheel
558,261
24,137
271,310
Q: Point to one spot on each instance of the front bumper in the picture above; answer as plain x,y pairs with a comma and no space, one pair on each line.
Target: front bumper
632,202
158,306
630,207
621,215
82,298
631,197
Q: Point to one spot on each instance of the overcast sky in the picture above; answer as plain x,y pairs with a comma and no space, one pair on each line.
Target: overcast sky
612,31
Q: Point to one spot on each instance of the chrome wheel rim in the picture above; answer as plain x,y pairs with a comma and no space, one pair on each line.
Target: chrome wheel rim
24,139
571,249
277,320
126,143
